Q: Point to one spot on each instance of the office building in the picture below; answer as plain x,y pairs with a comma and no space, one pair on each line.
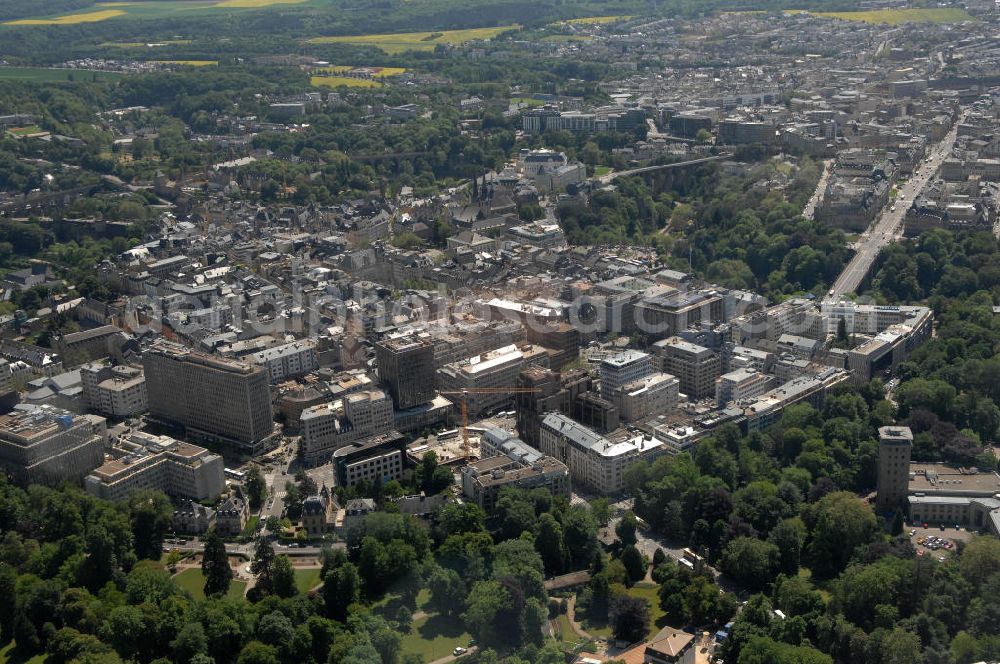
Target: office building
651,396
594,461
696,367
46,445
288,360
377,459
623,369
406,370
495,370
739,384
329,426
895,445
555,392
116,392
145,461
213,399
766,409
516,465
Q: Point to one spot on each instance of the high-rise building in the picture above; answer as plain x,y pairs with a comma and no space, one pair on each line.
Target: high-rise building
623,369
696,367
47,445
895,444
212,398
118,391
496,370
406,370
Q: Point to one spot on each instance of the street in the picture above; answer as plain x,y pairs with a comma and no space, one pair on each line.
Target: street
887,227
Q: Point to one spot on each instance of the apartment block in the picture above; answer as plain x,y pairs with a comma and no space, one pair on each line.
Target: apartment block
650,396
288,360
623,369
739,385
696,367
516,465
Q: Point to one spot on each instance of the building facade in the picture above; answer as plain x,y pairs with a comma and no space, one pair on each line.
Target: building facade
46,445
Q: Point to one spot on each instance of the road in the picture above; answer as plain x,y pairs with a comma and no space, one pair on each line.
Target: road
196,545
608,177
810,209
887,226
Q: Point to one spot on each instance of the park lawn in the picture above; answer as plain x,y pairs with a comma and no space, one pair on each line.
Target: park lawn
658,619
903,15
601,170
433,637
251,526
346,81
193,581
415,41
307,579
566,633
25,131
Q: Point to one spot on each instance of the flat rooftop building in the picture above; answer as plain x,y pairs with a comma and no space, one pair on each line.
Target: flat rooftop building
46,445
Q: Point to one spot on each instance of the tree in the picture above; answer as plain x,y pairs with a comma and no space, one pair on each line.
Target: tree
263,566
256,652
629,618
256,487
840,524
549,544
751,561
341,588
635,564
487,603
447,591
215,565
789,536
151,513
190,641
626,529
284,577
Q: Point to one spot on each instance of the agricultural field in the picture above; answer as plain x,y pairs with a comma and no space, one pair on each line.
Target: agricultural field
166,42
47,75
377,72
415,41
103,11
900,16
346,81
598,20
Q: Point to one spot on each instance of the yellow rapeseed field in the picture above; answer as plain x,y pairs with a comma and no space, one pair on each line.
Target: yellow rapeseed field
415,41
70,19
337,81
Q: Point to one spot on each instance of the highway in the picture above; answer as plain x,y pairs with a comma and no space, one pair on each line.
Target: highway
887,227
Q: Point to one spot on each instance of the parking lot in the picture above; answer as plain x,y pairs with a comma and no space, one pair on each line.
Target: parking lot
935,541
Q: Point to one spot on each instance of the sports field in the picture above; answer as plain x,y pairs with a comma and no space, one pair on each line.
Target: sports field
415,41
900,16
346,81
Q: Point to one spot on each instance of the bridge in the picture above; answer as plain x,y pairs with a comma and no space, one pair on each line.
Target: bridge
608,177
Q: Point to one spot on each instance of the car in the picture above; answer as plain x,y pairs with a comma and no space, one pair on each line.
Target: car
912,533
459,650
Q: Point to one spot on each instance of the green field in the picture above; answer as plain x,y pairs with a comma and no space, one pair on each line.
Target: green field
7,656
434,637
46,75
415,41
900,16
193,581
647,591
599,20
306,579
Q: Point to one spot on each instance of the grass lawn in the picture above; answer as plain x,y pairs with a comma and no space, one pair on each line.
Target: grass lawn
346,81
251,526
306,579
193,581
601,170
46,75
415,41
566,633
900,16
434,637
530,101
650,593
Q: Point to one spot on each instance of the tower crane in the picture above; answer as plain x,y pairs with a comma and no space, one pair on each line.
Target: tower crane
464,394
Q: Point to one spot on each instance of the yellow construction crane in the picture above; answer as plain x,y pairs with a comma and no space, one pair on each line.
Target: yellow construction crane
481,390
